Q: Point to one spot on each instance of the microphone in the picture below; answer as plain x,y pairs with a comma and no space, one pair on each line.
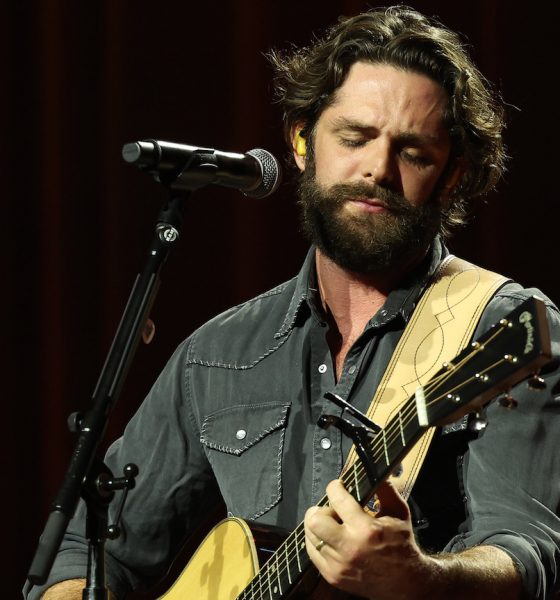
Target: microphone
257,173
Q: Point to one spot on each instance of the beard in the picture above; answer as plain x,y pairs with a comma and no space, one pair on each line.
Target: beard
366,242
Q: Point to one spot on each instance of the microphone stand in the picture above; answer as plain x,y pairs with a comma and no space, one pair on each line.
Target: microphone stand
87,476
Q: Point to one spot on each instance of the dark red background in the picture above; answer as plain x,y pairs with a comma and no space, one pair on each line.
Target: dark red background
80,79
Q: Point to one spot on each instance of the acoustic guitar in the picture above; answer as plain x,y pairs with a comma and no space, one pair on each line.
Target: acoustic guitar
226,566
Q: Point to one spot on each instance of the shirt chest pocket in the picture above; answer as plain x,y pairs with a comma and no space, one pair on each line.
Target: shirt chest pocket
244,445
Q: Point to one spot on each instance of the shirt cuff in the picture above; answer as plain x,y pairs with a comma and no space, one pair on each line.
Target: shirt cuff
523,551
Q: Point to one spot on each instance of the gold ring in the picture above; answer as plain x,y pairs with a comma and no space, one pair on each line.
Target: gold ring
320,545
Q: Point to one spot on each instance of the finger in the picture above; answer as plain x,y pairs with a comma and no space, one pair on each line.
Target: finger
316,547
318,535
320,524
392,503
391,531
343,503
320,512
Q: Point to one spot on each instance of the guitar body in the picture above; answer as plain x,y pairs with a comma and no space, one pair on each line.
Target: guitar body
222,566
228,559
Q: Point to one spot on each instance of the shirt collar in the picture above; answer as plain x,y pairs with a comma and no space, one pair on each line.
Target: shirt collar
304,290
401,302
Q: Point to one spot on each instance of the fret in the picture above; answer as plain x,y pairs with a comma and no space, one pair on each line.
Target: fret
259,580
262,582
252,590
403,441
397,431
286,544
357,484
278,574
269,584
297,549
384,436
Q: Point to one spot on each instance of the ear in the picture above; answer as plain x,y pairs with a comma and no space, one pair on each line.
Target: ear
451,178
299,145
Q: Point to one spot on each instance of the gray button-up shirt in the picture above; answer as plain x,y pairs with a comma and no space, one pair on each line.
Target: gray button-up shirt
234,414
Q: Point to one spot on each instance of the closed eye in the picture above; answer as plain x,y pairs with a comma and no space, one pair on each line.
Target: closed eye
417,160
352,142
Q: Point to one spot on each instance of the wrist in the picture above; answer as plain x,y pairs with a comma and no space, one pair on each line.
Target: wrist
484,572
424,578
433,579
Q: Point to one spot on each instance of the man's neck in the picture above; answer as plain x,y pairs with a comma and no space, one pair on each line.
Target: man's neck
352,299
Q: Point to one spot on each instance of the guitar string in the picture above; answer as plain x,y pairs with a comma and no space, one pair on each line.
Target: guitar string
358,471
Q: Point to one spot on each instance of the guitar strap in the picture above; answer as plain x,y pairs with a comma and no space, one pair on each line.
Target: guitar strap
441,326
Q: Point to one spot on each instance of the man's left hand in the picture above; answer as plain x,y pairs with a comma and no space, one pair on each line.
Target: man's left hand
370,557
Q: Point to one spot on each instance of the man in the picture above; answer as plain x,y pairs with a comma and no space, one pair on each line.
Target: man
393,129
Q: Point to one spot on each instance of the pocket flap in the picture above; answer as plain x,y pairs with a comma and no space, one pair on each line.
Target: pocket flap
235,429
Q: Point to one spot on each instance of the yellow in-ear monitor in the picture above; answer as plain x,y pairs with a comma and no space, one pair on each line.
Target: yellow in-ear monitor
301,146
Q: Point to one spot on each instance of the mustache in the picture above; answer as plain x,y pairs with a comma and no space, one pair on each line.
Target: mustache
395,202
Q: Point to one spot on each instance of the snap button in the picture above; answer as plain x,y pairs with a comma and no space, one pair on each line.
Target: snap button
241,434
322,368
325,443
352,369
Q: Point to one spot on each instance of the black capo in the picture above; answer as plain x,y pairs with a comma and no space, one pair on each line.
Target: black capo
360,434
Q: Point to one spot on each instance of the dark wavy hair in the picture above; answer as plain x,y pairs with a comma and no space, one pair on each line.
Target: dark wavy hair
306,80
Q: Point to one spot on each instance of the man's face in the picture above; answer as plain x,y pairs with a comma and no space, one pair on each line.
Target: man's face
370,195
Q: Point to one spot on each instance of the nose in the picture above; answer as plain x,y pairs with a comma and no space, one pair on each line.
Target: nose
378,163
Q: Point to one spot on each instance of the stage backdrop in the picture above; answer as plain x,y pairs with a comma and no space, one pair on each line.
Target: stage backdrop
83,78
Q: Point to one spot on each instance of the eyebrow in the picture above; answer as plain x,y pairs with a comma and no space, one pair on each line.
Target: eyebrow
407,137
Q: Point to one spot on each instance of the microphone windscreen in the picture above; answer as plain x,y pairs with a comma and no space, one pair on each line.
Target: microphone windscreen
271,174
